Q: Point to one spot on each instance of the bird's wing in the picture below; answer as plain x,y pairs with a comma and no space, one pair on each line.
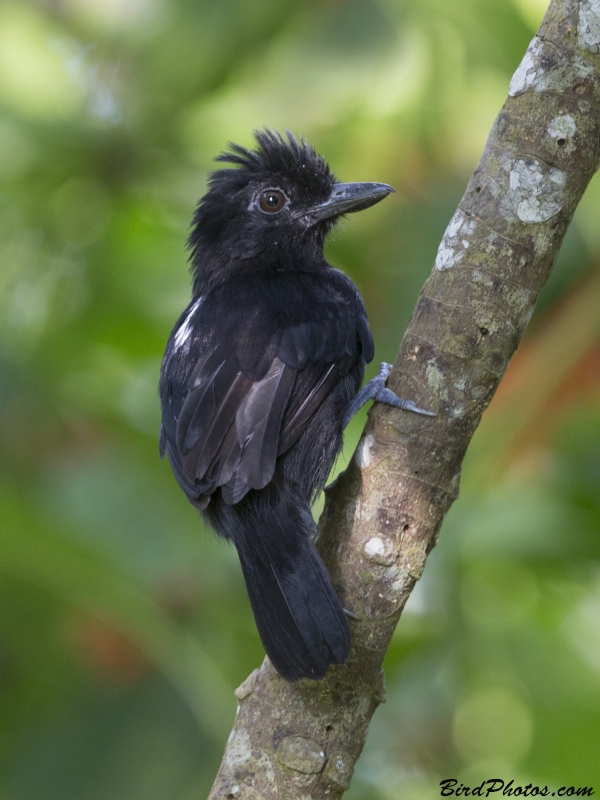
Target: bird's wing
249,396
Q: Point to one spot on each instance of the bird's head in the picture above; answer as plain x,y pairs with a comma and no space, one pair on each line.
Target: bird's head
271,211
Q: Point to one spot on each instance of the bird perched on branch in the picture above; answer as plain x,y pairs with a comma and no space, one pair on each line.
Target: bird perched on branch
260,377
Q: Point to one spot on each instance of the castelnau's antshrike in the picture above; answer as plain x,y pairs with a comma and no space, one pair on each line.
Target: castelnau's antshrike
259,378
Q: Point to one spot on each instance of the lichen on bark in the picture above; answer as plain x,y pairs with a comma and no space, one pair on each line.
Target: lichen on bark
383,515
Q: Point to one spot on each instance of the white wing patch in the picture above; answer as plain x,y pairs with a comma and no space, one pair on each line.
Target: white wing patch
185,329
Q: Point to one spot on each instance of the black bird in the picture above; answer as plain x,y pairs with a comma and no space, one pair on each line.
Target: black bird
259,378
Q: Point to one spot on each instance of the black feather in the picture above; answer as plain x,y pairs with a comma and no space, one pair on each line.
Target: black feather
258,424
299,616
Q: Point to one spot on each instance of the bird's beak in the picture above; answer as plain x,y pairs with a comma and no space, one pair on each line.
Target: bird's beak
347,197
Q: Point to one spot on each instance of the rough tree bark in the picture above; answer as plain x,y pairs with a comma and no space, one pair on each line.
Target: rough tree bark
383,515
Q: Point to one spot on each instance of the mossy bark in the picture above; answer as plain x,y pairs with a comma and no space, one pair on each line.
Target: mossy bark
383,515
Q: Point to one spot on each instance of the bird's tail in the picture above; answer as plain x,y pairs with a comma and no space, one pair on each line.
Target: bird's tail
298,614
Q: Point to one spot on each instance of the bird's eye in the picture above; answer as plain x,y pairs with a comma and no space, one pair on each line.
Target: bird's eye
272,200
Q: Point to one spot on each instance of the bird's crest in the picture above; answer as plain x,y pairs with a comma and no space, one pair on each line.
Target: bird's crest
287,156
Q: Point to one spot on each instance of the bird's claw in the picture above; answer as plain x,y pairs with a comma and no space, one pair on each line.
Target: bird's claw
376,390
391,399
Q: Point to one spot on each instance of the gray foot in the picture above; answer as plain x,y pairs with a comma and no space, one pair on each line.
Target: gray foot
376,390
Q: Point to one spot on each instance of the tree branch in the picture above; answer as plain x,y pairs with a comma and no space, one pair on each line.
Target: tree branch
383,515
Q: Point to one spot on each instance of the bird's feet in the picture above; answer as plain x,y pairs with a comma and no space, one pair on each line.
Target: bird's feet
376,390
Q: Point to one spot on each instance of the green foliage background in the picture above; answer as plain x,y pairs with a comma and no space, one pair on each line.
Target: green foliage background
124,626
